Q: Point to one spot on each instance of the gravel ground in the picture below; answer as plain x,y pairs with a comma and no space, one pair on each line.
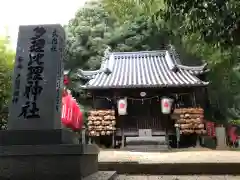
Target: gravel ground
172,157
193,177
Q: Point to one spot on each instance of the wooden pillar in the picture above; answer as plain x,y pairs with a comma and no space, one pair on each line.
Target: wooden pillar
113,139
166,130
90,139
194,103
83,134
123,139
93,102
122,133
178,136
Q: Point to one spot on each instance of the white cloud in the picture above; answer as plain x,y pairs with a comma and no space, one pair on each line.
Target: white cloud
23,12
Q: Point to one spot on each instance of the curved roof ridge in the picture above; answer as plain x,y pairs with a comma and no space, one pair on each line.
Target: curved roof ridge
177,61
132,52
195,68
157,52
170,61
86,74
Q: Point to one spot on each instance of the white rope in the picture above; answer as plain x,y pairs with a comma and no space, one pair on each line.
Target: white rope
141,99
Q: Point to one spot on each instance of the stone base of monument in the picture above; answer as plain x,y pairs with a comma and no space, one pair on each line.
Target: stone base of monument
48,162
36,137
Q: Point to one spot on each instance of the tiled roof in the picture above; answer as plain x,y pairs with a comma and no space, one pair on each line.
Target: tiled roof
142,69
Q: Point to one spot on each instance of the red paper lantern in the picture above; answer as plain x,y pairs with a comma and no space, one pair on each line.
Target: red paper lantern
165,104
122,105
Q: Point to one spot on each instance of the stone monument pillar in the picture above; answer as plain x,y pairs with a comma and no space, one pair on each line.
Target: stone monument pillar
35,110
37,80
35,146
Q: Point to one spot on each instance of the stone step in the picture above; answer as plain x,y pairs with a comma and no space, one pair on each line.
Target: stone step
161,168
153,140
147,148
146,144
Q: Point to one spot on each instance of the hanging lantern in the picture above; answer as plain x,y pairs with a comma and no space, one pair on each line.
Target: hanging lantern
166,105
122,106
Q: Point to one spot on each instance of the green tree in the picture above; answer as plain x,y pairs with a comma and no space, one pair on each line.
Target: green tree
146,25
93,29
6,67
217,22
87,36
208,30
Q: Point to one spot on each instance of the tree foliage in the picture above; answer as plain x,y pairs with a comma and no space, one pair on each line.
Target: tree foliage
216,21
93,29
87,36
6,67
206,29
202,30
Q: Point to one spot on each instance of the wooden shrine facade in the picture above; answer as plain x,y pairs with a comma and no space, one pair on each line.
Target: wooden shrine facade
144,78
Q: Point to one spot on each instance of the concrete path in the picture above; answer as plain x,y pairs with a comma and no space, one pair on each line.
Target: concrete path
174,163
172,157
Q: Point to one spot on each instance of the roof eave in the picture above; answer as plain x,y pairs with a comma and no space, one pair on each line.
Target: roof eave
193,68
202,84
196,73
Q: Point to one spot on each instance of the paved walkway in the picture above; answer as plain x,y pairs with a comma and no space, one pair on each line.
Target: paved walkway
172,157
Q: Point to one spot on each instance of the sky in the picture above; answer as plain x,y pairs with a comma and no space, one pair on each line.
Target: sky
28,12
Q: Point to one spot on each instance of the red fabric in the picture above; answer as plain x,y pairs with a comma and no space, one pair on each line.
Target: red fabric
77,117
65,80
67,111
64,108
232,134
213,130
210,127
71,114
74,116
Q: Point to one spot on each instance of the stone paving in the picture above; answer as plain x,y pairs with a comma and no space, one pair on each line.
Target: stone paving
172,157
193,177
